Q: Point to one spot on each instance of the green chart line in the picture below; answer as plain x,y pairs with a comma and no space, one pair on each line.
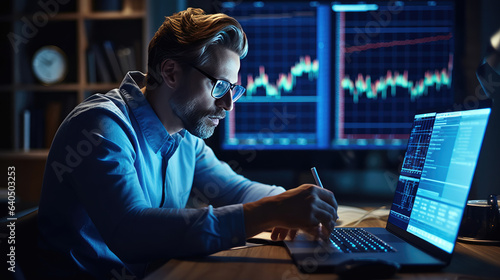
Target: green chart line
378,88
285,82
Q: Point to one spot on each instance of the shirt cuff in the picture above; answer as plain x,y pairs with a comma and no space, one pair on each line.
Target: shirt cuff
232,225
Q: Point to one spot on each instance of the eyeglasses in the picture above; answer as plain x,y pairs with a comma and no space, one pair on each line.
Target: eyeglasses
221,87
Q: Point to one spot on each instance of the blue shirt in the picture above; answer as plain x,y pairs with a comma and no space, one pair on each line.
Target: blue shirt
116,186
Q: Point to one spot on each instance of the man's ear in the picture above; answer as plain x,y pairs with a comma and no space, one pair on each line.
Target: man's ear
170,73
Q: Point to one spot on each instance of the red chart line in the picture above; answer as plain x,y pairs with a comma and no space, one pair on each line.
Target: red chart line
398,43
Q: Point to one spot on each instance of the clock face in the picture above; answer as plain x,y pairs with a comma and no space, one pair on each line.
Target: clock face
49,65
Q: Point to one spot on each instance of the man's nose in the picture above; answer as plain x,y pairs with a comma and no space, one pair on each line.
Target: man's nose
226,101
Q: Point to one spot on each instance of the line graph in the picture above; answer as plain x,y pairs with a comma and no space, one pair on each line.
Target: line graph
364,85
280,74
398,43
285,82
341,81
407,65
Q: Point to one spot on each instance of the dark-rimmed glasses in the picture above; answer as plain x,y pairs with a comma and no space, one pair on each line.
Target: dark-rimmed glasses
221,87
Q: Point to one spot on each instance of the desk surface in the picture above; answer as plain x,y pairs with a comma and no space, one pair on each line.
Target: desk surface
273,262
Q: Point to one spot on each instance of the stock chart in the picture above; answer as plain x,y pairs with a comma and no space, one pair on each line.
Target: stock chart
339,76
280,74
388,69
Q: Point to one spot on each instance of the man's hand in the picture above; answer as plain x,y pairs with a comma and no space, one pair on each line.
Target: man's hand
279,233
305,207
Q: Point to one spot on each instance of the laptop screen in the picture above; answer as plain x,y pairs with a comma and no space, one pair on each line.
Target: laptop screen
437,173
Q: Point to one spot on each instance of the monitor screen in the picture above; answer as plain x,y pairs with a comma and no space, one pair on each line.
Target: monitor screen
341,75
437,173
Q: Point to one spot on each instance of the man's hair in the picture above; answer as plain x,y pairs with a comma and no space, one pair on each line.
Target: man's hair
188,37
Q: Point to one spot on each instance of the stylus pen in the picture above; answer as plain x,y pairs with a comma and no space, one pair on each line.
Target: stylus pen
316,177
318,181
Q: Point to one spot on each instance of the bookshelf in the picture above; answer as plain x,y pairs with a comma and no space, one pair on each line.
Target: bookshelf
100,41
84,30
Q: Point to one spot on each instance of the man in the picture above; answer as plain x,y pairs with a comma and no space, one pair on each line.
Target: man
123,165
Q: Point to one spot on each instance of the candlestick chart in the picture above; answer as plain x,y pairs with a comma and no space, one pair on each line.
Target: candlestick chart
280,75
339,76
285,82
388,73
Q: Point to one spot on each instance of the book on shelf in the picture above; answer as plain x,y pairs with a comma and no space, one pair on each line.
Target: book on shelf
109,64
33,129
40,125
102,72
26,129
109,49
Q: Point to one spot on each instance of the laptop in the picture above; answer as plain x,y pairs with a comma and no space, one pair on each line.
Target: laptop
428,203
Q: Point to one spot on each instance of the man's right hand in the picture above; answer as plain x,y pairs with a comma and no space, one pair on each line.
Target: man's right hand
305,207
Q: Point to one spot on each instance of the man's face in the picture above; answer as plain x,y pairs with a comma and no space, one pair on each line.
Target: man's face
193,103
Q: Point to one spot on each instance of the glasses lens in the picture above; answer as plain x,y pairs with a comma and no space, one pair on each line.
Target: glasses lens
238,91
220,88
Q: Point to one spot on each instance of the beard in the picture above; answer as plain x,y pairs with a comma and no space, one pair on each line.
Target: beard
197,122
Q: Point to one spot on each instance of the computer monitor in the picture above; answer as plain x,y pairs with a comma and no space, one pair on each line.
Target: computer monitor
339,75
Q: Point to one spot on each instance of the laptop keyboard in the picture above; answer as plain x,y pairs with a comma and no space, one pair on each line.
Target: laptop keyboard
358,240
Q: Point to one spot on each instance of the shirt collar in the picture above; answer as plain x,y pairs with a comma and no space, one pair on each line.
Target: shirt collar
152,128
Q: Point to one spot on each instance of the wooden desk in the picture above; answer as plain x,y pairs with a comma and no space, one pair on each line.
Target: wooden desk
273,262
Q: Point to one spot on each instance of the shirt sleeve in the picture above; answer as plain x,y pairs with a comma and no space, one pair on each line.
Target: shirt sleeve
105,181
217,184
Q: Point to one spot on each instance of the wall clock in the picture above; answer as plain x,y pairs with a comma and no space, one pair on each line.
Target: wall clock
49,65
